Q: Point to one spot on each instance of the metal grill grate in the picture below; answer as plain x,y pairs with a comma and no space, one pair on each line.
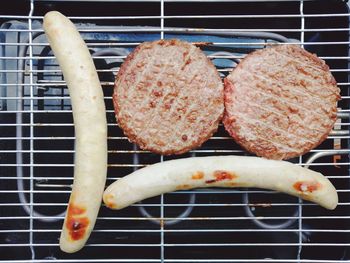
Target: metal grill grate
203,225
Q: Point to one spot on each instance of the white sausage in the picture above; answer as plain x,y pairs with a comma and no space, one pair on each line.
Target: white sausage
89,113
221,171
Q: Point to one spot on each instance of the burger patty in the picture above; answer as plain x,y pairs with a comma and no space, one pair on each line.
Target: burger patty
168,97
280,102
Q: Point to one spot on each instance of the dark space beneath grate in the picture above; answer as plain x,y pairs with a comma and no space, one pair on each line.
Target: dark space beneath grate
213,223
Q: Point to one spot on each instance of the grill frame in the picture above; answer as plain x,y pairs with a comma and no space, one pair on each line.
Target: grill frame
160,204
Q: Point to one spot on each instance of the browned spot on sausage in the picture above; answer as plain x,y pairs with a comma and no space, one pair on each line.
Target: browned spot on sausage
109,201
74,210
183,187
221,175
210,181
198,175
76,224
77,227
224,175
307,186
94,97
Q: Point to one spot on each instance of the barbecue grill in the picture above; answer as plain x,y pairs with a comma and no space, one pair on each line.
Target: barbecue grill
202,225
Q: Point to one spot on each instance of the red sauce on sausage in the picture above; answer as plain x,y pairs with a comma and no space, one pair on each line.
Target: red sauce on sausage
76,224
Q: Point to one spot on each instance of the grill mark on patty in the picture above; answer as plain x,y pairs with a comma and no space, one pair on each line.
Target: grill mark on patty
250,119
131,92
277,53
202,62
141,74
274,143
192,107
160,104
287,102
174,107
286,117
311,65
268,110
283,149
304,115
136,59
182,69
314,96
305,123
131,65
291,62
196,125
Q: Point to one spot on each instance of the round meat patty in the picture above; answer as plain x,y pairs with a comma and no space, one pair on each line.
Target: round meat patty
168,97
280,102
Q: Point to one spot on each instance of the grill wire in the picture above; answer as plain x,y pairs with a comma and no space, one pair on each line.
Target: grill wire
202,225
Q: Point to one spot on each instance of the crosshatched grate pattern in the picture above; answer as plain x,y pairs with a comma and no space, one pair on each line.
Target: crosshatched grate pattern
203,225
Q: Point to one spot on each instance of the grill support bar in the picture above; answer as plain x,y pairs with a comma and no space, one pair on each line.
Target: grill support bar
161,157
31,129
300,208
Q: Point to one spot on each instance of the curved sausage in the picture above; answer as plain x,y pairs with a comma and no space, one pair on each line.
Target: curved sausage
221,171
89,113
